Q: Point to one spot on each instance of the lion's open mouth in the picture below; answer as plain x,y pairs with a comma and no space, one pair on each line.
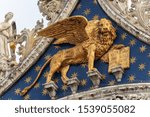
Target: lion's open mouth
106,32
103,31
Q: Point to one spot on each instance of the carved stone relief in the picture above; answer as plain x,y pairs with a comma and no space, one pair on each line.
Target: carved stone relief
51,8
138,91
7,47
132,15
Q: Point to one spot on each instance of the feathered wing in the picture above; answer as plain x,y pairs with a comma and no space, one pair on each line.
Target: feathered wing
70,30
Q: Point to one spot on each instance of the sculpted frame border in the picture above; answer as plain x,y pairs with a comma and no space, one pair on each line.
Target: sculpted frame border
118,18
135,91
36,52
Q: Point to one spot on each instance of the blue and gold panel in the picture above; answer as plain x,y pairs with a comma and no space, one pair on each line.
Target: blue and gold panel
139,71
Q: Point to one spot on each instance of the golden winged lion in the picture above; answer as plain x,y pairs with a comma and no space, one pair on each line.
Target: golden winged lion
92,39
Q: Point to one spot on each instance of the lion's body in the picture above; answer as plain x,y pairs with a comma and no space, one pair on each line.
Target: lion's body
92,39
80,53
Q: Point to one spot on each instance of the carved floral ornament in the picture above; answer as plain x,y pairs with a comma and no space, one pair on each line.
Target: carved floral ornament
51,8
132,15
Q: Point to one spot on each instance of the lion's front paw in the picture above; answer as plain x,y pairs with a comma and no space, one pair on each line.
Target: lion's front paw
93,69
65,80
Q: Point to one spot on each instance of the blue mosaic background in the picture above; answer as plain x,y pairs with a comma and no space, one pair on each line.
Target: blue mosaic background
139,71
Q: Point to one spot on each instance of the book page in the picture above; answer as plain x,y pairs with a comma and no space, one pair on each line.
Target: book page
113,59
119,57
124,58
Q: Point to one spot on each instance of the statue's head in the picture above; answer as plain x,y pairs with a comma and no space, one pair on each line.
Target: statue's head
9,16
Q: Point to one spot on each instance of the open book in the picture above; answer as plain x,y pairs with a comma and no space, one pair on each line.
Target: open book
119,57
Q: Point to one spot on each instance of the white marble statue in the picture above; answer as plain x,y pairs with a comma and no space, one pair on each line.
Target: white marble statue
7,31
6,35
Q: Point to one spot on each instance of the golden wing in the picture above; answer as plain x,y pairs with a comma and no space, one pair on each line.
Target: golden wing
70,30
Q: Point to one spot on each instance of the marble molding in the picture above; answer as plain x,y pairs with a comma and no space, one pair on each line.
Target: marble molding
132,15
137,91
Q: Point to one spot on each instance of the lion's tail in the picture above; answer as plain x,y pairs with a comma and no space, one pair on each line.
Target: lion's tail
26,89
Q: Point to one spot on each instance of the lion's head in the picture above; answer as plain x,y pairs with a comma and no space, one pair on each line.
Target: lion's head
101,29
106,28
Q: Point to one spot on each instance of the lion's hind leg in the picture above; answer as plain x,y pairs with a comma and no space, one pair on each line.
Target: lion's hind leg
55,66
64,71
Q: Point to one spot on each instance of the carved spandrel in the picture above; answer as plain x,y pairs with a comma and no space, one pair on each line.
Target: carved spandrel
135,10
132,15
51,9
